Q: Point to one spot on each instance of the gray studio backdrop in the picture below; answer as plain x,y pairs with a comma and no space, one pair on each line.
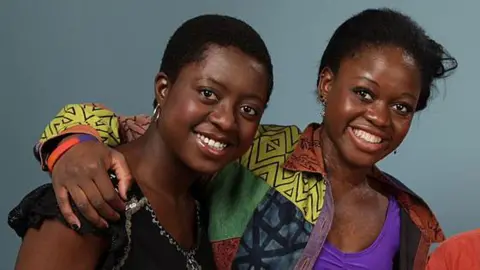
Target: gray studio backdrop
58,52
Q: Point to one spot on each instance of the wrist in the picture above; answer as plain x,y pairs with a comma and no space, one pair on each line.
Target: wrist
66,144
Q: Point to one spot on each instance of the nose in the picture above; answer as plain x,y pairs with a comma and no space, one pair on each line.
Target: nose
379,115
223,116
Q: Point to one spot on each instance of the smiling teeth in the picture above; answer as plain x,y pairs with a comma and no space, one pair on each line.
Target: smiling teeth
211,142
368,137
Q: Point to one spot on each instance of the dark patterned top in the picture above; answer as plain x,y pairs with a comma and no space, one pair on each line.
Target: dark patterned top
148,249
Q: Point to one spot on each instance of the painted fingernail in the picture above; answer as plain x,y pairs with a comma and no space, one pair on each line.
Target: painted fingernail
75,227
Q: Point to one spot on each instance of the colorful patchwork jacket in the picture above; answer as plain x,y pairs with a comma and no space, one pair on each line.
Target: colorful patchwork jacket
272,209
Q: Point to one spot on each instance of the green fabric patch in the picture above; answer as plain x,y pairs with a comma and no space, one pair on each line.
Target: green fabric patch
234,194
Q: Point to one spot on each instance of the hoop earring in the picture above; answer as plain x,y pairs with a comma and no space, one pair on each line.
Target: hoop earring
156,113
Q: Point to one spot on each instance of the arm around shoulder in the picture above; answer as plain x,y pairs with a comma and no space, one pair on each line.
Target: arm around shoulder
91,118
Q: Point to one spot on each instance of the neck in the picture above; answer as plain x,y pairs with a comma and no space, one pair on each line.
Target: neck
156,169
343,175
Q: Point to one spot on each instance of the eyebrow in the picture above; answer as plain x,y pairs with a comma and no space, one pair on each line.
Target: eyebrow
212,80
374,82
249,95
369,79
409,95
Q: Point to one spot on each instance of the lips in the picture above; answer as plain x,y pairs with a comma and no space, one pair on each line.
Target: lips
212,143
366,136
366,141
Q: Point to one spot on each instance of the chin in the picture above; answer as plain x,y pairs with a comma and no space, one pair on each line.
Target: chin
206,168
361,160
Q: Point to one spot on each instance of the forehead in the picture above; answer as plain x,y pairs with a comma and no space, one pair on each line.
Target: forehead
387,66
218,57
230,67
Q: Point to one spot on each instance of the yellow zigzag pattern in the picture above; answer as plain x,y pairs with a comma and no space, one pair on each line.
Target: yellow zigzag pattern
272,146
93,115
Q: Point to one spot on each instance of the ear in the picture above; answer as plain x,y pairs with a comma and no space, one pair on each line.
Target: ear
162,86
325,82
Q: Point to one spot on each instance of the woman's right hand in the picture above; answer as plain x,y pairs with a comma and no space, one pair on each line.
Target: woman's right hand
82,172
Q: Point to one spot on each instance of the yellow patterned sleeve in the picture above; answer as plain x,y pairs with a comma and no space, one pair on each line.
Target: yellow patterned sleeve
91,118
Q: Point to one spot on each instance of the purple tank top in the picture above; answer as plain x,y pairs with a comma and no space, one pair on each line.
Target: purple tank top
378,256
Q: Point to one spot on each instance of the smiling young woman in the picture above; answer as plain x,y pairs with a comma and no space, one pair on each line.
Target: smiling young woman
213,85
311,200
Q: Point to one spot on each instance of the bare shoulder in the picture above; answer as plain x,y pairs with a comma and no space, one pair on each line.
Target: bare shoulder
55,246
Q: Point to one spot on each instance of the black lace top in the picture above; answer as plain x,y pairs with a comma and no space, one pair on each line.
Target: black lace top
146,249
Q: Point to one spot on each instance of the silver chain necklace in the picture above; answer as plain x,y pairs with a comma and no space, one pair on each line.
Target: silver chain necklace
192,263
